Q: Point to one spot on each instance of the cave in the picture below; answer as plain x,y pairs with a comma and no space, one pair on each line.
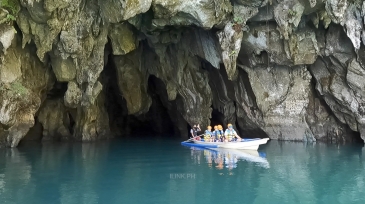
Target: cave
35,133
217,117
156,122
191,53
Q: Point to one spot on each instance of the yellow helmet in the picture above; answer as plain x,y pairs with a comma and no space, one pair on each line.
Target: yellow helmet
215,127
220,127
209,127
229,125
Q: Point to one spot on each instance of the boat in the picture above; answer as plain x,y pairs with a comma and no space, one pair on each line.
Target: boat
248,144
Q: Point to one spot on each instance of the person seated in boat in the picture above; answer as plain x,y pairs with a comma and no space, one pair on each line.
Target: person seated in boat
216,136
194,132
231,134
221,133
208,135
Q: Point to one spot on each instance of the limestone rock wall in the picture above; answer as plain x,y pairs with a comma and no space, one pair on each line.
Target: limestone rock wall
289,69
23,86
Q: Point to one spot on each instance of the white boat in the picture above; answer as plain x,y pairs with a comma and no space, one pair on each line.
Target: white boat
251,144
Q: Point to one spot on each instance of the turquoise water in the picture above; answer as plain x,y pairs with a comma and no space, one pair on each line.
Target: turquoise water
158,171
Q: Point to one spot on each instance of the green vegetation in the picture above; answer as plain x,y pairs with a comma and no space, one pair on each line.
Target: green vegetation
237,23
292,13
18,88
13,7
232,53
15,88
238,20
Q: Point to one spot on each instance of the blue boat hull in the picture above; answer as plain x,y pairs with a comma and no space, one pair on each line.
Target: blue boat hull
251,144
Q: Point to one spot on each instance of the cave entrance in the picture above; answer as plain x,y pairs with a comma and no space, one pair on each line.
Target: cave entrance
217,118
156,122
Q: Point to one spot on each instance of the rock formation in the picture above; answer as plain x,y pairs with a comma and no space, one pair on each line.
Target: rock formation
88,70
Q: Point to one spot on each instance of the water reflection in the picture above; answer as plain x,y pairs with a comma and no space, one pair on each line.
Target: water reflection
312,173
150,172
227,158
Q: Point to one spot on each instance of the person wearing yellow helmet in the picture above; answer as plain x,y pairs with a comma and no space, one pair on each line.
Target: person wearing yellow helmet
216,136
208,134
221,133
231,134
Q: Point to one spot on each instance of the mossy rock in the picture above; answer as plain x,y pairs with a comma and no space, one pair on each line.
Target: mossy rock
14,89
12,8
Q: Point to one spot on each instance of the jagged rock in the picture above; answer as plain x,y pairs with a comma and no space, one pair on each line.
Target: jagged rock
207,47
122,38
52,5
312,6
117,11
337,94
354,77
363,14
77,56
92,122
20,96
252,3
230,40
265,13
354,25
249,116
262,45
348,14
205,14
283,100
337,80
234,102
3,15
182,76
10,64
36,10
223,99
288,14
64,69
132,82
188,50
230,37
82,36
324,125
338,45
36,24
336,9
73,95
7,34
241,14
55,121
303,47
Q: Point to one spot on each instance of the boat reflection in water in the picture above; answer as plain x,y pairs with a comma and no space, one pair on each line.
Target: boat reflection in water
228,158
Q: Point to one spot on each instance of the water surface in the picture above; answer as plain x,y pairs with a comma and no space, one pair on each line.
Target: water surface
164,171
